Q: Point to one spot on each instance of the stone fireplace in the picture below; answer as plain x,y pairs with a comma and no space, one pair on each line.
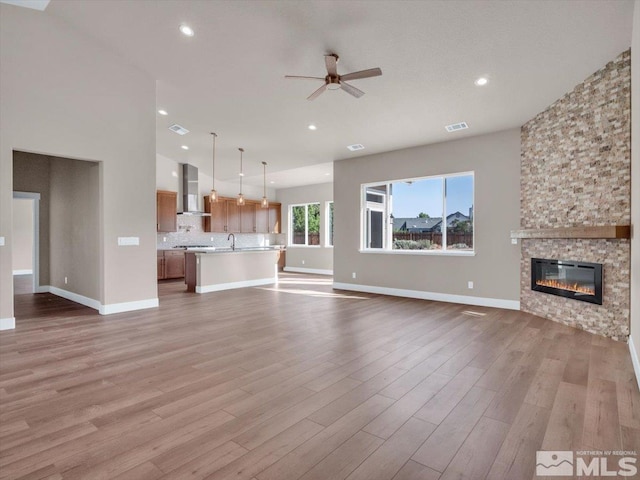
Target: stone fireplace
568,278
576,172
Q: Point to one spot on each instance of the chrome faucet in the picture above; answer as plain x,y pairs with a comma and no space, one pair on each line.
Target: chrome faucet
233,243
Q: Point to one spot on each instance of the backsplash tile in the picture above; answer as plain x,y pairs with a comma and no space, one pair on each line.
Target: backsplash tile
190,232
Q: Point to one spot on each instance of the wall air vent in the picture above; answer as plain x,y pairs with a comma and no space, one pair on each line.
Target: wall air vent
456,126
180,130
355,147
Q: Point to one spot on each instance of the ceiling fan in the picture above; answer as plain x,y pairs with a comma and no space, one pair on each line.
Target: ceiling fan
333,81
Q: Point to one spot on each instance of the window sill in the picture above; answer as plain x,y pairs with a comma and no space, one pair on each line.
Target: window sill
447,253
303,246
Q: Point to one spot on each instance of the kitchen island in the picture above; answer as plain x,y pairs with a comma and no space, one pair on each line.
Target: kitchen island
212,270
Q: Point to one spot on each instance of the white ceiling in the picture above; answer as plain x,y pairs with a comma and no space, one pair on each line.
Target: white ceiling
229,77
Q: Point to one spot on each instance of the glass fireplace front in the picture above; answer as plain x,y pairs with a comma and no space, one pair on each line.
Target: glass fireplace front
567,278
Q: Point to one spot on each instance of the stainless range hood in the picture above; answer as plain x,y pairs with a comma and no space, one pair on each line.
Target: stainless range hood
190,192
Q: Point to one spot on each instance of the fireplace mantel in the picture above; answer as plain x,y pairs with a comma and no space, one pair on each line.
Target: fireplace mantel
607,232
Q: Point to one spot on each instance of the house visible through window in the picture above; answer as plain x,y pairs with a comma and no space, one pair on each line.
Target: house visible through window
304,225
429,214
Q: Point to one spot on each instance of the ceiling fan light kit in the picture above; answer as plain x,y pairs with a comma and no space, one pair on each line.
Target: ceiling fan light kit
334,81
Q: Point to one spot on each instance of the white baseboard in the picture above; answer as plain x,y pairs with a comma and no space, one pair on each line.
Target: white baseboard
107,309
128,306
439,297
634,359
23,272
232,285
8,323
316,271
74,297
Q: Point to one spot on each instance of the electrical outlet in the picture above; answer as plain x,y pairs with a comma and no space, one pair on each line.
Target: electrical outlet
211,239
353,275
470,285
66,280
514,241
303,262
164,239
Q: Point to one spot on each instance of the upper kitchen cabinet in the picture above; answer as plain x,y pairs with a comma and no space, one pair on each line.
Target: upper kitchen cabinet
217,222
262,219
275,214
248,217
166,211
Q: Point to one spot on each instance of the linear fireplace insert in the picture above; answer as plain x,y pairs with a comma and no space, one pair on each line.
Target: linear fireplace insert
567,278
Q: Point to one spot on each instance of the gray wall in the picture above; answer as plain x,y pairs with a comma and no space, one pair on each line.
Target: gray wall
32,173
23,234
64,94
316,258
495,159
74,230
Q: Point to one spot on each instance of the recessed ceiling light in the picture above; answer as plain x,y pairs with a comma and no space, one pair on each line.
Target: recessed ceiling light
312,127
187,30
184,147
241,174
481,81
327,174
272,181
163,112
355,147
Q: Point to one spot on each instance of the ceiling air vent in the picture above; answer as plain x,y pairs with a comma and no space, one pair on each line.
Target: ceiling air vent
178,129
355,147
456,126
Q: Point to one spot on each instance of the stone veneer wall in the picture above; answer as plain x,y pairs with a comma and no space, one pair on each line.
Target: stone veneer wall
576,171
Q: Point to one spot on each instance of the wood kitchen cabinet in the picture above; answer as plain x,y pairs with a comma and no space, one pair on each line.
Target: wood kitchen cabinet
217,222
262,219
233,216
166,211
228,217
248,217
170,264
275,218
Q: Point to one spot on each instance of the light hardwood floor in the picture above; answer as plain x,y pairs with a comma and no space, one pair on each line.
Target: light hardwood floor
300,381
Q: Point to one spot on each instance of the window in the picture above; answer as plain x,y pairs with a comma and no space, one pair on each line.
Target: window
433,214
304,226
329,224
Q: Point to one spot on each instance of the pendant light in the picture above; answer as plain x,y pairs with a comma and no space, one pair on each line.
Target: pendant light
240,201
213,195
265,202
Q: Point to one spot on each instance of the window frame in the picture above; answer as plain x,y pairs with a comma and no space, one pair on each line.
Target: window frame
327,240
306,225
388,210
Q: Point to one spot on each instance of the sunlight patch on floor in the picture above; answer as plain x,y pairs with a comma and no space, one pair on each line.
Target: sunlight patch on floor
313,293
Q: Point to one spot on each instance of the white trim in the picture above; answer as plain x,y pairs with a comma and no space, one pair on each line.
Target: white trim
8,323
229,286
443,253
74,297
128,306
23,272
439,297
634,359
316,271
95,304
35,253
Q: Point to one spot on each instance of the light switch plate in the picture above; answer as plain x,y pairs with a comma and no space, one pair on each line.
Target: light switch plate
514,241
1,241
128,241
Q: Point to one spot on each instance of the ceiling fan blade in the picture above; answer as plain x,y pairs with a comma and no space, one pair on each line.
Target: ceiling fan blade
372,72
303,78
317,93
350,89
331,61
